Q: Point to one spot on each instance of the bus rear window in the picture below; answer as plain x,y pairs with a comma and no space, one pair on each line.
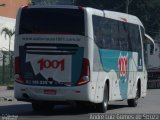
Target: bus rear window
52,21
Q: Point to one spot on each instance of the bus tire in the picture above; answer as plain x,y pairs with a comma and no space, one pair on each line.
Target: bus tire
42,107
102,107
134,102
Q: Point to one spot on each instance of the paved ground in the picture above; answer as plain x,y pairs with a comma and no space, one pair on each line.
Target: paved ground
22,110
6,95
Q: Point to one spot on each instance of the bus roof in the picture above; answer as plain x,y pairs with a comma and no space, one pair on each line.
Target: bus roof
123,17
117,16
108,14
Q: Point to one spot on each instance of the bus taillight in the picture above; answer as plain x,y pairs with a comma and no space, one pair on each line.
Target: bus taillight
85,73
17,65
18,76
25,7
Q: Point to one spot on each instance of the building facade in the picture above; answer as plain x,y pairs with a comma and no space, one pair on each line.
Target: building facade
8,11
8,8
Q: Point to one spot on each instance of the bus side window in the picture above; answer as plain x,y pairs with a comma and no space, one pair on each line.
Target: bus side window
106,33
135,38
97,22
110,34
123,36
115,35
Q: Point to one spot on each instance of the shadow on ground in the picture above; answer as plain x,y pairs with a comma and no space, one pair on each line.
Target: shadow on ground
26,110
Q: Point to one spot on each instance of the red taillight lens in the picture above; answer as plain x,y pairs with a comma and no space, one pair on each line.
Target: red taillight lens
19,79
85,73
17,65
18,76
25,7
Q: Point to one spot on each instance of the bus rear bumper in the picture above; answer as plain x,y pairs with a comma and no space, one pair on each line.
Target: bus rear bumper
57,94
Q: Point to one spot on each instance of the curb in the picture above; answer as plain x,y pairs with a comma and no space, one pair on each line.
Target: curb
3,88
5,99
10,87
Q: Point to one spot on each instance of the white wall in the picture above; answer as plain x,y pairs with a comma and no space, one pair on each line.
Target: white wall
10,24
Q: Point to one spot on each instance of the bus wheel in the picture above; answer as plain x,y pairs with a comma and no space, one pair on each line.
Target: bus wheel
102,107
134,102
42,107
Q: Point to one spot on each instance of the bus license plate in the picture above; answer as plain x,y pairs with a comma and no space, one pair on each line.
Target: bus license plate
50,92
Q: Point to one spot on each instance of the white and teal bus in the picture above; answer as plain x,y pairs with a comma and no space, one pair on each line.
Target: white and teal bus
78,54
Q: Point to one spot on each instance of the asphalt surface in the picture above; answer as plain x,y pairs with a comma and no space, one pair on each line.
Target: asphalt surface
23,111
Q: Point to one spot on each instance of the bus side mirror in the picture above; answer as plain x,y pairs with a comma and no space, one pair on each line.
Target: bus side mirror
149,41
